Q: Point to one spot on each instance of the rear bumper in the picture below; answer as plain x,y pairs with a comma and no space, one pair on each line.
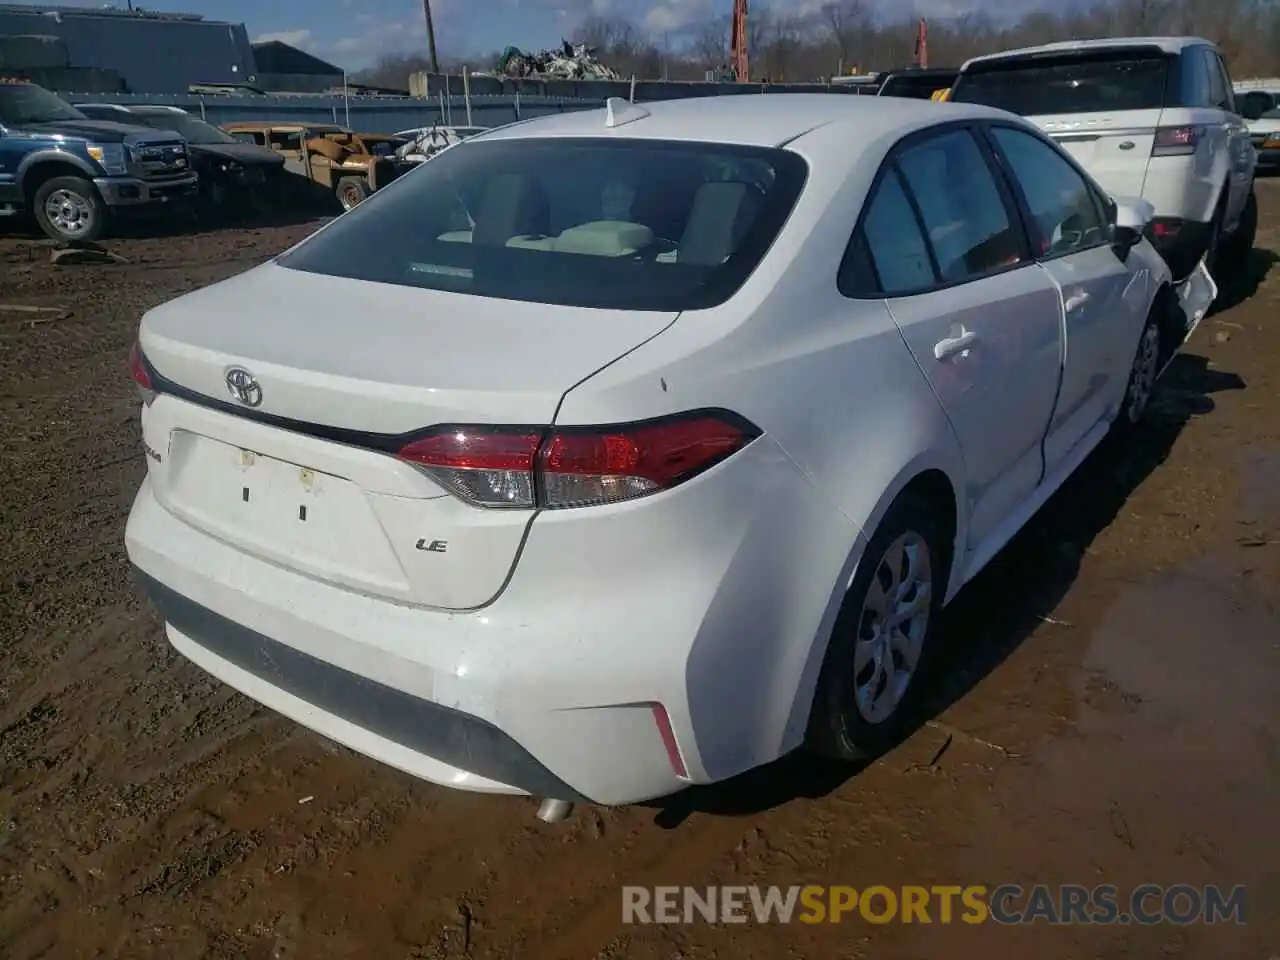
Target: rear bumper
258,665
711,612
129,192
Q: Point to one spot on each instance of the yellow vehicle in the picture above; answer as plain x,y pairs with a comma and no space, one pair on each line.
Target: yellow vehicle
349,165
940,95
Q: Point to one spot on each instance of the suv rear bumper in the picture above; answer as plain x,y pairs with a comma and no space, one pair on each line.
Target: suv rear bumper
1180,242
131,192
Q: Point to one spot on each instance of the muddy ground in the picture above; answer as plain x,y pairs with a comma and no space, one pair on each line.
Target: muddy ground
1108,712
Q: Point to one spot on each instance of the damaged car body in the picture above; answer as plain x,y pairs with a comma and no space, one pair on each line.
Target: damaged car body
330,159
632,449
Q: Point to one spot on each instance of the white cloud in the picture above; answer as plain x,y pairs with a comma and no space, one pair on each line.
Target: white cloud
379,37
294,38
672,16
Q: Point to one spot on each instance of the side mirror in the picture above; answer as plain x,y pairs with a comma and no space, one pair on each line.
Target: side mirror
1128,218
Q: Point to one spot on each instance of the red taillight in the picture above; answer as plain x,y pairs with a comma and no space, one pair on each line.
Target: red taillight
576,466
141,375
1176,141
482,465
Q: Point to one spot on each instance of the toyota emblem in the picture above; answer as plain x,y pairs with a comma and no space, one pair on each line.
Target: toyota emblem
242,385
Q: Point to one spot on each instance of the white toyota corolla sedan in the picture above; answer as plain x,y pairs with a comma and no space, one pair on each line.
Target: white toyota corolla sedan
622,450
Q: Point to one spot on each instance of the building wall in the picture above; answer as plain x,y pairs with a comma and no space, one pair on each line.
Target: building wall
297,82
153,55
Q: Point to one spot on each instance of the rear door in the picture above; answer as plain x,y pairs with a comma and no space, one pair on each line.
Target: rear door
1103,106
1104,302
982,320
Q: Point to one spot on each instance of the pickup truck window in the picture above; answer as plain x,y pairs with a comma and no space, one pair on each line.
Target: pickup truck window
25,103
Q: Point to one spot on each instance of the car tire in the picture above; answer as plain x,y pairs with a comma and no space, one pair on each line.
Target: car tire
70,209
908,554
1235,249
1213,247
352,191
1143,372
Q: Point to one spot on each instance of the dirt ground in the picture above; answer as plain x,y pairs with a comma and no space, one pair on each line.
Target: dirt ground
1107,711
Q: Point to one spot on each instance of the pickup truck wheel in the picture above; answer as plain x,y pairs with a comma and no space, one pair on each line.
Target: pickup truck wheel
351,191
69,208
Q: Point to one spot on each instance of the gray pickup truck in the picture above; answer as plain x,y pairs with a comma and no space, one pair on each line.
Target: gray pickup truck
75,174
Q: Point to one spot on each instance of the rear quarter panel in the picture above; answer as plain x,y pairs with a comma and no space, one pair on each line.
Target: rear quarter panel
1191,186
832,383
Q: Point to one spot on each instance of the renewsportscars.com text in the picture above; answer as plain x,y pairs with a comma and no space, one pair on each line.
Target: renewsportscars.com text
1067,904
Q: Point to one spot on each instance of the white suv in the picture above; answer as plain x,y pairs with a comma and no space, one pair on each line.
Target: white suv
1259,104
1150,117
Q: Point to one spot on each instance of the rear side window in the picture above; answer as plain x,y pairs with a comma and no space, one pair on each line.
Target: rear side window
964,214
613,223
898,250
1226,99
1219,90
1044,86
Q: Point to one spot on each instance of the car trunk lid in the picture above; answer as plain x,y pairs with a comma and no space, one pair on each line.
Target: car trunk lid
283,397
1114,147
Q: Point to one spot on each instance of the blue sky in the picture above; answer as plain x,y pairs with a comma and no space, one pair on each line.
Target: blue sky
353,33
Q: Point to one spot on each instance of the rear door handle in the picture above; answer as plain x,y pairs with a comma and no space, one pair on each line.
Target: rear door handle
953,345
1075,302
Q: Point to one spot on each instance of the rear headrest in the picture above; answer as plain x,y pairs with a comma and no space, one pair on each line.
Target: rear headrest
513,205
722,212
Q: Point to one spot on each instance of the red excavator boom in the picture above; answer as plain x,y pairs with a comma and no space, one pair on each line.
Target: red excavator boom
738,42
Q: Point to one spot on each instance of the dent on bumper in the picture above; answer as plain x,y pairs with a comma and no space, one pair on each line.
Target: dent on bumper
131,192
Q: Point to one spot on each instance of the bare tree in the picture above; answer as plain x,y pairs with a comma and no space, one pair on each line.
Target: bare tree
847,23
784,44
709,46
780,44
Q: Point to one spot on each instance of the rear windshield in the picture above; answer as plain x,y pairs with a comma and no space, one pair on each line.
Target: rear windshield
618,223
1042,86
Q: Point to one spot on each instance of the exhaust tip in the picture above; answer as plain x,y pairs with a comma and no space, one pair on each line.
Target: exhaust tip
554,811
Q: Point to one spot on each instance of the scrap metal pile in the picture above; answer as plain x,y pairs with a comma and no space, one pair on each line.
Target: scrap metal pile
568,62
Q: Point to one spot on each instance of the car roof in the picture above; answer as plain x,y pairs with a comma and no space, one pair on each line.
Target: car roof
768,120
133,108
1171,45
100,106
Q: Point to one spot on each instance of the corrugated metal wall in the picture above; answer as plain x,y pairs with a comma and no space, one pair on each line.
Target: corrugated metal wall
153,55
389,114
369,114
